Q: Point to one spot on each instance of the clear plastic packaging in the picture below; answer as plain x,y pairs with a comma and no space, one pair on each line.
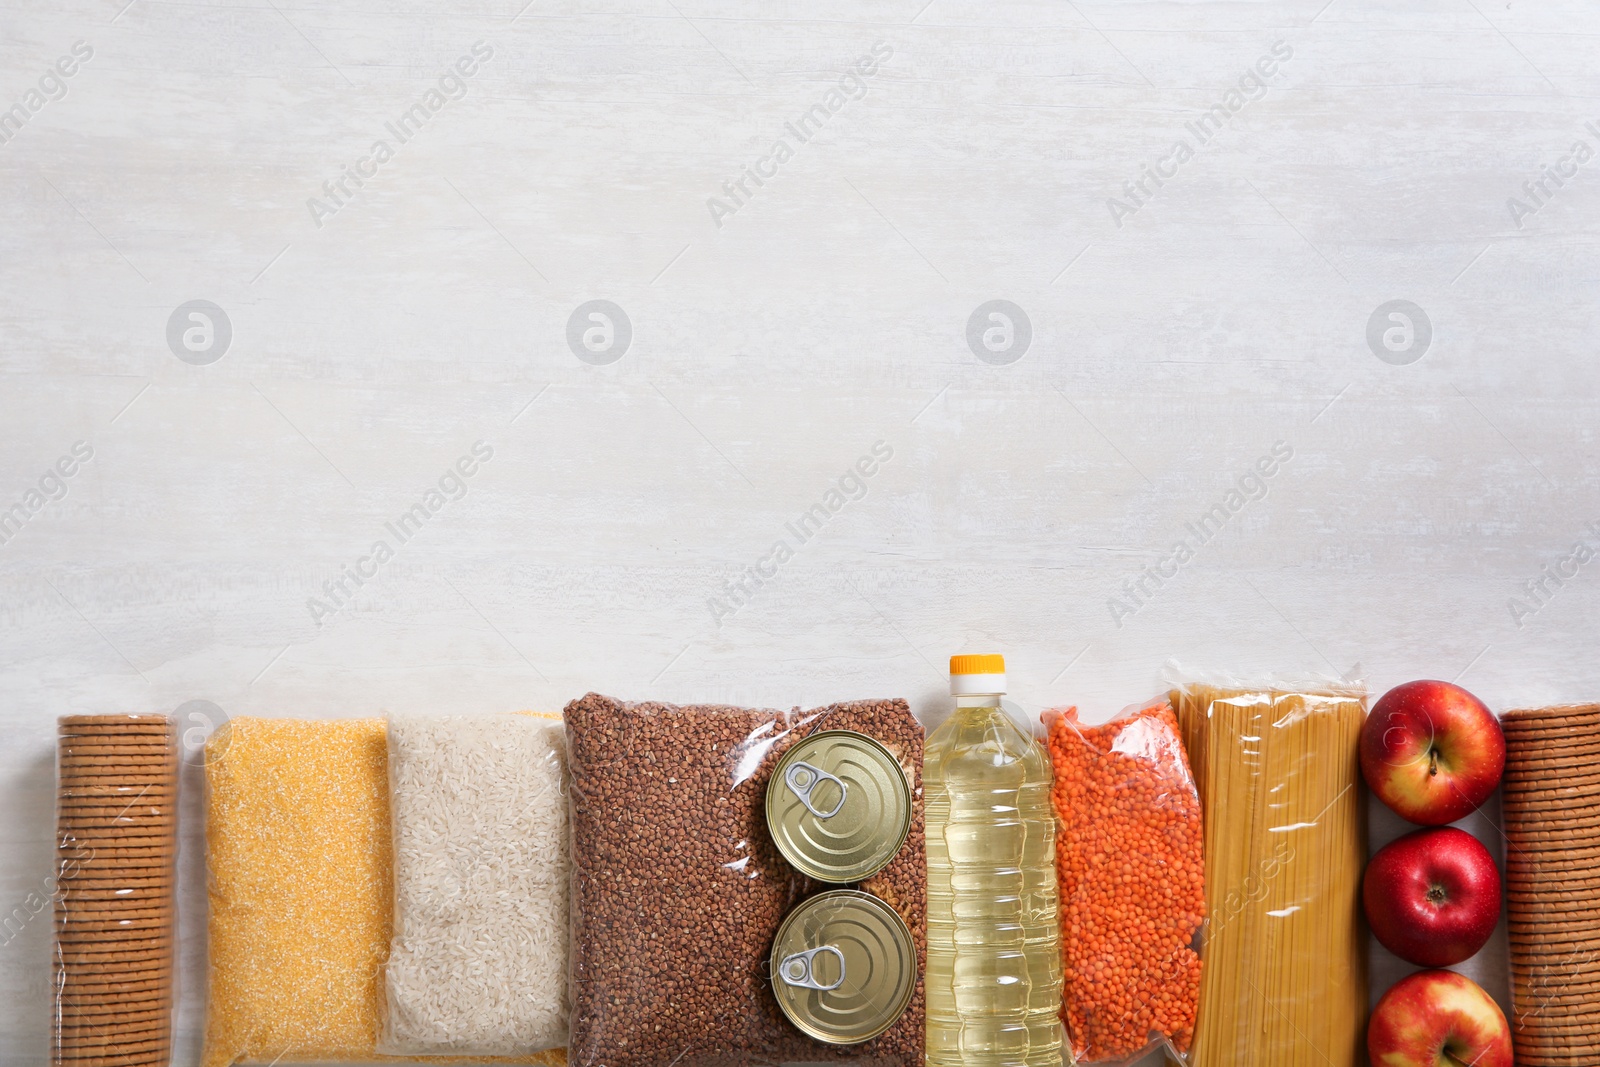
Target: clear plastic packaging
478,962
678,889
1551,798
1284,982
300,870
1130,860
115,899
298,864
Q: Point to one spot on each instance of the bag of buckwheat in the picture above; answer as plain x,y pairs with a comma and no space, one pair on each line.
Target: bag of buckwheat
678,889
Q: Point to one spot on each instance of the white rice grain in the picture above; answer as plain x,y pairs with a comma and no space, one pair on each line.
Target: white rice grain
478,964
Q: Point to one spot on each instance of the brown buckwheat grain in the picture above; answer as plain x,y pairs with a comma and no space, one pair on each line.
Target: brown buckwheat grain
678,890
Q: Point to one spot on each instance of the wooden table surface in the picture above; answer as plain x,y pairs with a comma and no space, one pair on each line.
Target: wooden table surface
1250,336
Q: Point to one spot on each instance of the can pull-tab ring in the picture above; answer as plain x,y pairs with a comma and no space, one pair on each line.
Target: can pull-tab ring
802,779
796,970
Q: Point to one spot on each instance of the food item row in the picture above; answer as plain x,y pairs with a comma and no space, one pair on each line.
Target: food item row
731,885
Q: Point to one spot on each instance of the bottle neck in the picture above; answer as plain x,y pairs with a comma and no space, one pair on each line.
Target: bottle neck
979,700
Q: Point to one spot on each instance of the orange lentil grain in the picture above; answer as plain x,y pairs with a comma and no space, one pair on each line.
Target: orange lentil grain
1129,860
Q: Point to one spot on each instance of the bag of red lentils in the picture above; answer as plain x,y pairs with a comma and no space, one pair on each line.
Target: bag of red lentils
1132,880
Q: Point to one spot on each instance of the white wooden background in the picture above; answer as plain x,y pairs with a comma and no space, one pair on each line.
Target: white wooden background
827,313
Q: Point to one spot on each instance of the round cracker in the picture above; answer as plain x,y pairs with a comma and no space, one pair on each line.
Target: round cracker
1528,882
117,789
151,1032
1579,785
1554,859
119,908
1552,711
151,1059
112,874
87,929
89,913
122,818
1561,992
1571,909
1572,1013
109,1018
79,796
145,999
142,939
129,748
126,969
122,885
90,813
96,1045
1537,764
90,840
90,880
114,853
147,1032
123,772
1564,888
1541,839
120,1048
1524,749
116,983
128,958
150,725
1518,921
109,915
94,718
136,766
144,896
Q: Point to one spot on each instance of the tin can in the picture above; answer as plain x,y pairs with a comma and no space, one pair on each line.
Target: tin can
839,806
843,967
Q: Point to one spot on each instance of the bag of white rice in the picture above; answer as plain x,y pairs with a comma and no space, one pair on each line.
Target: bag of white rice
478,965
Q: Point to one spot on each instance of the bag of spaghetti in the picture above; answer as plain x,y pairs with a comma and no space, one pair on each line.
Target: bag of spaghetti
1279,779
1131,873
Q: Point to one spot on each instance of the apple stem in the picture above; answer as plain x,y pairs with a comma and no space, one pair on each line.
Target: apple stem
1433,762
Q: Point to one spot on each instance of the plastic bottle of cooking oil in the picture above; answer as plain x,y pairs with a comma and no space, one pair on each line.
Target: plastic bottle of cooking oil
994,957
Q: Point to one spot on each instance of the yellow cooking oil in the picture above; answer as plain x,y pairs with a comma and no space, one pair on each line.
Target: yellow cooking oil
993,977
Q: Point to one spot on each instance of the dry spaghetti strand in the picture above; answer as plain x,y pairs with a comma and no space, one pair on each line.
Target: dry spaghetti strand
1284,981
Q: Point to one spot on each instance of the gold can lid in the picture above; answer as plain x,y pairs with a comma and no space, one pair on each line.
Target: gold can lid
839,806
843,967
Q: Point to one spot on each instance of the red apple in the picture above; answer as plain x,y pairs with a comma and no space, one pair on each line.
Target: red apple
1438,1019
1432,897
1432,752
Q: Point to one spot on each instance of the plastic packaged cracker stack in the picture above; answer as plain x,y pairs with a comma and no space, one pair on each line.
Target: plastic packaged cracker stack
115,908
479,957
1130,862
1551,796
300,875
679,891
1284,982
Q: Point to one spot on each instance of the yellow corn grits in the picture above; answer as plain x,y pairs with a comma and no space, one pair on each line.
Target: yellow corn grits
300,866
